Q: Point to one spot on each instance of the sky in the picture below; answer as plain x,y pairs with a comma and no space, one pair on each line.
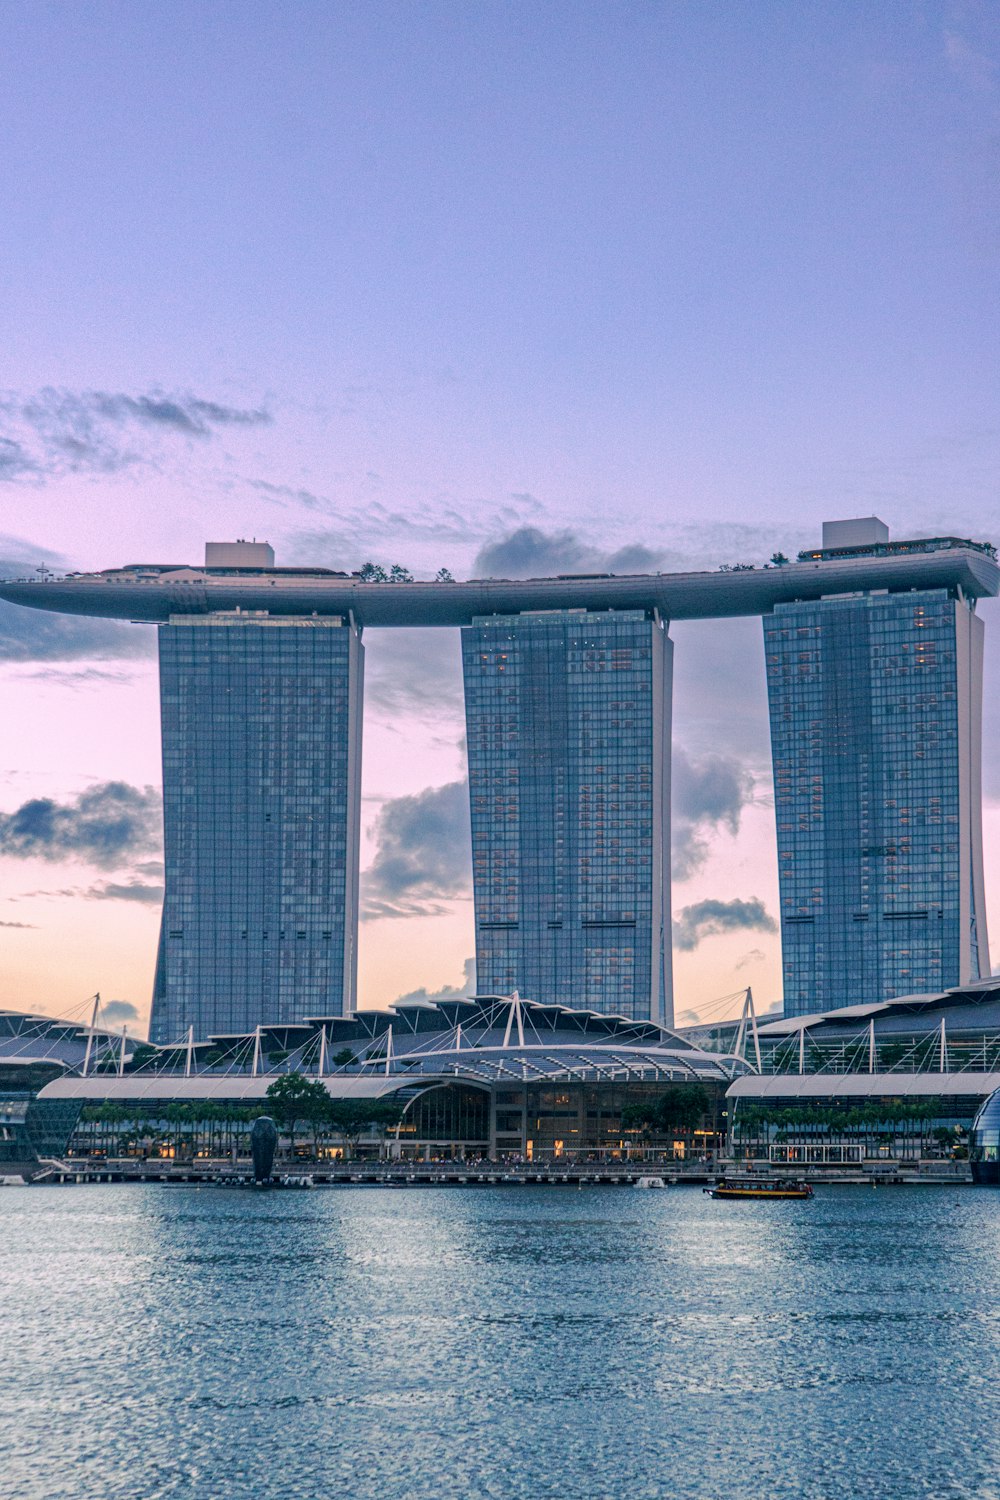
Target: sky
501,287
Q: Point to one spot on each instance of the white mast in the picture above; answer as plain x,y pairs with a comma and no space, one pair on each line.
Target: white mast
753,1024
90,1035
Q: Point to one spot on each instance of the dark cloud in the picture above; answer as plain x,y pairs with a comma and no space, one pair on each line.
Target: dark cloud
635,558
703,919
134,890
186,414
447,992
714,788
530,552
58,431
423,855
106,826
118,1010
36,635
25,926
707,793
14,461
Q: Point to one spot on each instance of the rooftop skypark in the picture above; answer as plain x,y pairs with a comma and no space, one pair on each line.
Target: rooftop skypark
243,576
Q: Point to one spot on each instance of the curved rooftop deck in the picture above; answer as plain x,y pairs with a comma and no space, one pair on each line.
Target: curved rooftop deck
155,593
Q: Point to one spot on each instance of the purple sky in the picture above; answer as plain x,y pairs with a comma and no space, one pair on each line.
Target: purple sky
503,286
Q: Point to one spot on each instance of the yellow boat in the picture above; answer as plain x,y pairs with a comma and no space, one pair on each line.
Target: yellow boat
759,1187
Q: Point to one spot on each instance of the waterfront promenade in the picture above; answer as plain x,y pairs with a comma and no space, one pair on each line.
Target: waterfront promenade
482,1174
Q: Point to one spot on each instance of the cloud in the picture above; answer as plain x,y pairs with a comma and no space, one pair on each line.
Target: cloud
719,684
709,918
135,890
530,552
57,432
366,529
81,677
14,461
707,793
447,992
417,670
423,855
118,1010
24,926
106,826
284,494
37,635
755,956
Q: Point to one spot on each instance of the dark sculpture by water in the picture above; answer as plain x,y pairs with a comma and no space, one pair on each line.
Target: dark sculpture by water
263,1144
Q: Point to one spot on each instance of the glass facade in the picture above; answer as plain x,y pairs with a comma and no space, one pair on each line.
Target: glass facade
875,704
261,799
984,1143
568,717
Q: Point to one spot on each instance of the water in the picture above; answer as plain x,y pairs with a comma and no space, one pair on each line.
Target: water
522,1343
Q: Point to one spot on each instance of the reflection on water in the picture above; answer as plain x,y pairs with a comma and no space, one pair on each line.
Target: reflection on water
520,1342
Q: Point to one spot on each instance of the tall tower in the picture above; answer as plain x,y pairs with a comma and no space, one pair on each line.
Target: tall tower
568,716
876,711
261,720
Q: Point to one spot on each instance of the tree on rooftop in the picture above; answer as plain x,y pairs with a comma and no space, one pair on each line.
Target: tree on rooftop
779,560
371,572
443,576
399,574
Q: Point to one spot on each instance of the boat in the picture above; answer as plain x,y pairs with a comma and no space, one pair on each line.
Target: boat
649,1182
759,1187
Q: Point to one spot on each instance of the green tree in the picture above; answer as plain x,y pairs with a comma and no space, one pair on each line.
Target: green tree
142,1056
350,1118
384,1115
639,1116
343,1058
399,574
779,560
293,1097
443,576
682,1108
371,572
